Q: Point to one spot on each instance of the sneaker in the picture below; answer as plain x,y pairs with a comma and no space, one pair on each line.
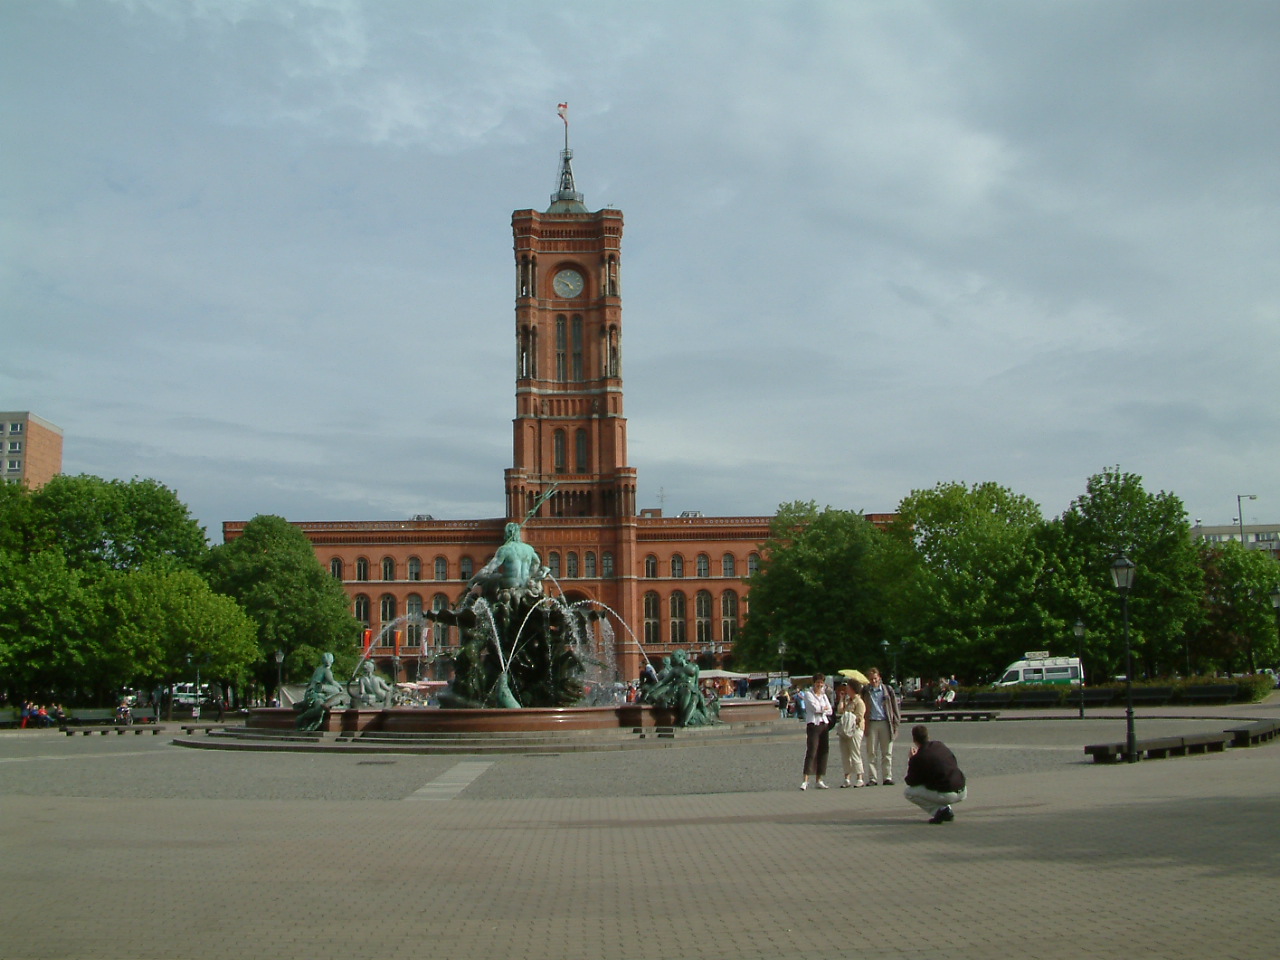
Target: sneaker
822,786
938,817
888,781
859,783
804,784
947,814
871,782
845,783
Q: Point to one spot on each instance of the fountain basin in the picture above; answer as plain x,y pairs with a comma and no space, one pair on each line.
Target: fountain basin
525,719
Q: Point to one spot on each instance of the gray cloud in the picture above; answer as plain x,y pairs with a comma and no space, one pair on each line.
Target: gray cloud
260,250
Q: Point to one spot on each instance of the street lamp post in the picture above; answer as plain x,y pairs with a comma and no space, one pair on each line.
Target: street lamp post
1240,498
782,661
893,651
279,658
1079,632
1122,572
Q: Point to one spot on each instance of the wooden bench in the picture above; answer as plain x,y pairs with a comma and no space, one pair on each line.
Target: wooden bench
1093,696
1157,748
929,716
1210,693
1038,698
1151,696
991,698
1252,734
137,731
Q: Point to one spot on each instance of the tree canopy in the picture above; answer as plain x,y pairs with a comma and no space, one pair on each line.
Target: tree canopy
970,577
832,587
298,608
980,606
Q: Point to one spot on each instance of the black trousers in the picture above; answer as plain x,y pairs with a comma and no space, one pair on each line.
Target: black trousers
817,745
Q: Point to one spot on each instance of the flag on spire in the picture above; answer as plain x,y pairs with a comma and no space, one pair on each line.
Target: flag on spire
562,110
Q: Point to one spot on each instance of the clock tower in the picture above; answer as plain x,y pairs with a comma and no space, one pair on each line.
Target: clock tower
569,429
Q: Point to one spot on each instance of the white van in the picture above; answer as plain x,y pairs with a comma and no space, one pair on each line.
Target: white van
186,693
1036,666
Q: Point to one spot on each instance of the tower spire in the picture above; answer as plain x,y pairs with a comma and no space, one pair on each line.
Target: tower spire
566,199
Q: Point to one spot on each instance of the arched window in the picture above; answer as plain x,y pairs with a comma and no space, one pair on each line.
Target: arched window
571,564
413,610
361,609
440,630
553,561
387,607
335,568
652,628
362,569
442,568
679,630
677,566
580,452
590,564
562,350
651,566
606,561
702,616
577,348
388,568
557,452
753,564
415,568
729,616
728,566
703,565
466,567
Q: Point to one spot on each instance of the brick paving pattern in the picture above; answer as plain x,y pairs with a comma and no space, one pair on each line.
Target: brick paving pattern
121,848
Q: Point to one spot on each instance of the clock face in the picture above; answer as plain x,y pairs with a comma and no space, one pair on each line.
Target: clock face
567,283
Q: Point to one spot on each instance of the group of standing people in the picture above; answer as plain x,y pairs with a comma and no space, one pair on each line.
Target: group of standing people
866,718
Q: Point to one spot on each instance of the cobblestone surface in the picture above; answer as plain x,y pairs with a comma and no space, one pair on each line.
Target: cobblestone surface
125,847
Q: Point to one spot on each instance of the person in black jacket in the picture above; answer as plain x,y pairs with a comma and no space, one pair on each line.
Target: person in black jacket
934,780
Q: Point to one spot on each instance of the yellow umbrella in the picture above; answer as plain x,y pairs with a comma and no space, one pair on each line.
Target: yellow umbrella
855,675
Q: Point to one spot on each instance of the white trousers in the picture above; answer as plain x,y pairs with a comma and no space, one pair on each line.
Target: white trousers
851,755
931,801
879,750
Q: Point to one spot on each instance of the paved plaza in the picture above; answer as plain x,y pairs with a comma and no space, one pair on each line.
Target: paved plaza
132,847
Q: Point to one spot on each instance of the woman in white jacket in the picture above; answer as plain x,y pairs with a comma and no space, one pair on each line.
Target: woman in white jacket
817,712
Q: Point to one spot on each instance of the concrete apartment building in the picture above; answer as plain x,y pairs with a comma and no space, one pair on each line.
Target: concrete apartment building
32,448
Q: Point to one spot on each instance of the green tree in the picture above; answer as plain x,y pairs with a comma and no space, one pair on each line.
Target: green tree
272,570
1236,629
114,524
1114,517
982,564
155,620
831,586
49,637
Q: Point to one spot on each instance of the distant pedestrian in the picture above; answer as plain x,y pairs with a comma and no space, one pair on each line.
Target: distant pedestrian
934,780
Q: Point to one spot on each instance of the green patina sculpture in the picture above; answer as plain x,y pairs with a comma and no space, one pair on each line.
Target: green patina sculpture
373,690
321,690
676,688
516,646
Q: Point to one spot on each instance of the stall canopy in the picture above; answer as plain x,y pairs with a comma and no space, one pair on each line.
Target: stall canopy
721,675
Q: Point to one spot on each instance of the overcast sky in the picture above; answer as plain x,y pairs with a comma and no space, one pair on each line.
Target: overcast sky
260,250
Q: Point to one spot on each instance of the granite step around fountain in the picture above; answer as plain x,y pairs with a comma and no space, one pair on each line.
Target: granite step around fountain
481,742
